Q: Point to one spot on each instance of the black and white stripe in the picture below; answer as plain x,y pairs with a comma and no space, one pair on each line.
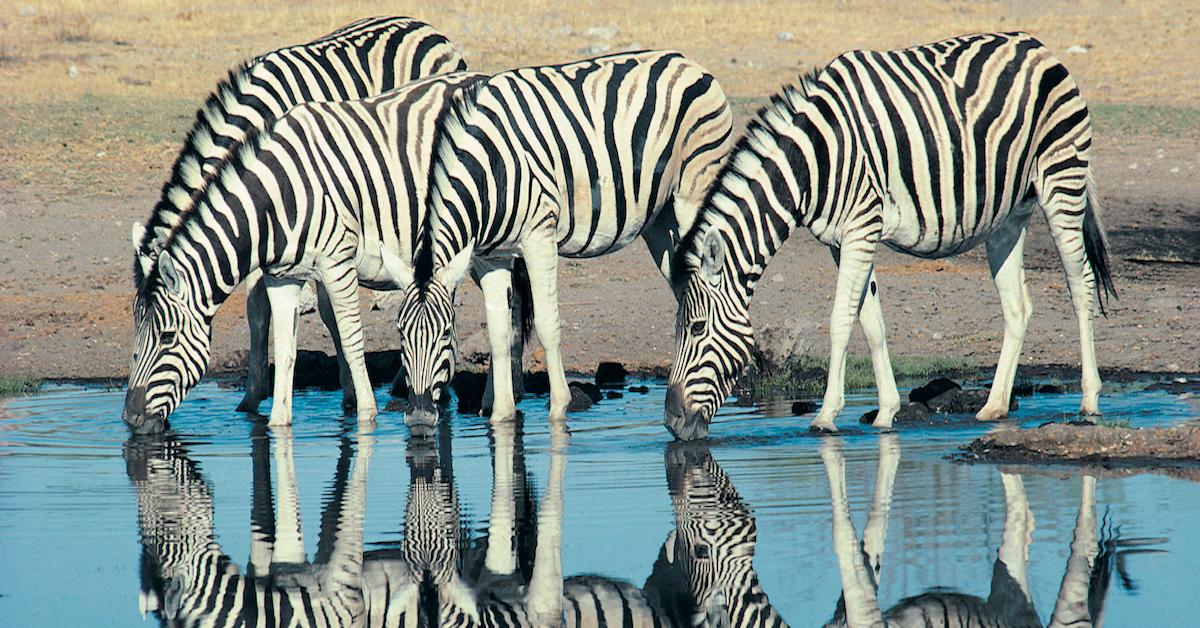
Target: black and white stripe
575,160
362,59
929,150
321,194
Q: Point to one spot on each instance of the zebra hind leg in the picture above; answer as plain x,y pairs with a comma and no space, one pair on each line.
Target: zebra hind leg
854,269
541,258
258,318
327,317
496,282
1005,250
870,317
1068,210
284,295
341,282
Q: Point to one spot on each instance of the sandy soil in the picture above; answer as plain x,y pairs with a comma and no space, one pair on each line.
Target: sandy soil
83,153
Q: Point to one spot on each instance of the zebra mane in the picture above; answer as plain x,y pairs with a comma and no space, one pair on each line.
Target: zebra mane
188,171
225,174
769,122
450,127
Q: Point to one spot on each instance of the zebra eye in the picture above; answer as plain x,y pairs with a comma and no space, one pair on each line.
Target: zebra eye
702,552
167,339
698,327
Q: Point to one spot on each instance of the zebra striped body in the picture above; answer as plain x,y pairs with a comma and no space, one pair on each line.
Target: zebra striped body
929,150
362,59
188,581
318,195
575,160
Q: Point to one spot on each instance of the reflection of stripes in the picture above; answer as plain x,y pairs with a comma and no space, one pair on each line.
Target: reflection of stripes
929,150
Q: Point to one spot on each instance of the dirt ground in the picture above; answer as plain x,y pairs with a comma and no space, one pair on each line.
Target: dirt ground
95,99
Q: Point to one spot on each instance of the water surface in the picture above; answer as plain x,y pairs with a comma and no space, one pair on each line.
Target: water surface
224,513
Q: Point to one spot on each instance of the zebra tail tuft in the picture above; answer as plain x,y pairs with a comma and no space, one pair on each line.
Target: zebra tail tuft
522,291
1095,245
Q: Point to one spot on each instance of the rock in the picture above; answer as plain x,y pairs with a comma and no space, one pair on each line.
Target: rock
537,383
639,389
308,299
589,389
314,369
601,32
580,400
1049,389
610,374
803,407
72,71
595,49
785,36
932,389
396,404
959,401
1077,50
386,300
777,278
937,335
382,367
612,394
468,389
779,344
911,411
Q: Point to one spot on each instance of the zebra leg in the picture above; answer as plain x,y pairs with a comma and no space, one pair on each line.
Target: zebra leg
1005,250
327,317
289,534
496,282
858,586
1064,213
501,557
1071,607
854,269
541,258
870,318
341,282
284,295
544,595
875,531
258,318
1018,531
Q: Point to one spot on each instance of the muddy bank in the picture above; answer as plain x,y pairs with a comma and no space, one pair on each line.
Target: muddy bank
1176,447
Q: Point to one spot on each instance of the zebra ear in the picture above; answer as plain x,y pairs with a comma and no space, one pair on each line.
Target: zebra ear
712,256
136,234
453,272
669,546
169,274
400,270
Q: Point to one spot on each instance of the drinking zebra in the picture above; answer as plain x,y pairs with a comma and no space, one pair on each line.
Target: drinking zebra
313,196
1080,602
365,58
704,575
574,160
931,151
186,578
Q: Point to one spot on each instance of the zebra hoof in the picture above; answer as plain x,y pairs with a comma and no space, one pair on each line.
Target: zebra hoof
988,413
822,427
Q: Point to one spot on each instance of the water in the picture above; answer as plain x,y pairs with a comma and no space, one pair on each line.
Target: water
95,529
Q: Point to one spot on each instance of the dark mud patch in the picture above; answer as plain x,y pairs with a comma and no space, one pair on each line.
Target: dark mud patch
1157,245
1123,449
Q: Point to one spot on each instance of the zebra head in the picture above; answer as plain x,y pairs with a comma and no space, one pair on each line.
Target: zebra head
428,342
713,338
171,347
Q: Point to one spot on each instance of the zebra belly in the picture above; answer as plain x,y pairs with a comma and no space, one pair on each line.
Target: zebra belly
584,234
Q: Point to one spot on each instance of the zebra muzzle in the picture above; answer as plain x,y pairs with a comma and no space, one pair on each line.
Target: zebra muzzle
683,425
135,416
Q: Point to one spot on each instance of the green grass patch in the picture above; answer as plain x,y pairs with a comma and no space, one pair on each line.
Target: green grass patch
1157,120
16,385
805,375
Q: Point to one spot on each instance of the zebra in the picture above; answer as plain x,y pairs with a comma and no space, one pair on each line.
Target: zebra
704,574
362,59
314,195
929,150
188,580
574,160
1009,604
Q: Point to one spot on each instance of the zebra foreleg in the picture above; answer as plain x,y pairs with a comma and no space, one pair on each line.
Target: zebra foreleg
875,532
341,282
1018,532
1071,607
544,595
496,282
327,317
284,296
258,318
1005,250
858,586
540,251
289,535
854,269
870,317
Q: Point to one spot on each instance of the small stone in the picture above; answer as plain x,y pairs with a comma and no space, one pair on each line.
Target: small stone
803,407
937,335
601,32
785,36
580,400
612,394
72,71
589,389
28,11
102,154
1175,170
639,389
595,49
537,383
1133,166
1077,50
933,389
1049,389
777,278
610,374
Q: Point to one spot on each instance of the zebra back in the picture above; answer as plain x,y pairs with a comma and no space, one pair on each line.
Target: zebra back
361,59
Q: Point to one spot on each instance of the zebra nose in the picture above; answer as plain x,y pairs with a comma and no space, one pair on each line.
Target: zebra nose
674,405
135,416
422,414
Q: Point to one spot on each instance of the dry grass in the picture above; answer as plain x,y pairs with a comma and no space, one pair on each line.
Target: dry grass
142,66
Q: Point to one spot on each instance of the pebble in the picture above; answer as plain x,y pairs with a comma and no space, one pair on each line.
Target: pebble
595,49
601,32
72,71
937,335
1133,166
777,278
28,11
1077,50
785,36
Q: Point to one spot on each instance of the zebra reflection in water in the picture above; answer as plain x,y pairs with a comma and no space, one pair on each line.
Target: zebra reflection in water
1095,551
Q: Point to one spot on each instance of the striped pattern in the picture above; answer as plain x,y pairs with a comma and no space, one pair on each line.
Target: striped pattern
931,151
575,160
318,196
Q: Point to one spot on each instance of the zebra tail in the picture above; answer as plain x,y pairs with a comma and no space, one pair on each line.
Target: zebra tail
1095,245
524,293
